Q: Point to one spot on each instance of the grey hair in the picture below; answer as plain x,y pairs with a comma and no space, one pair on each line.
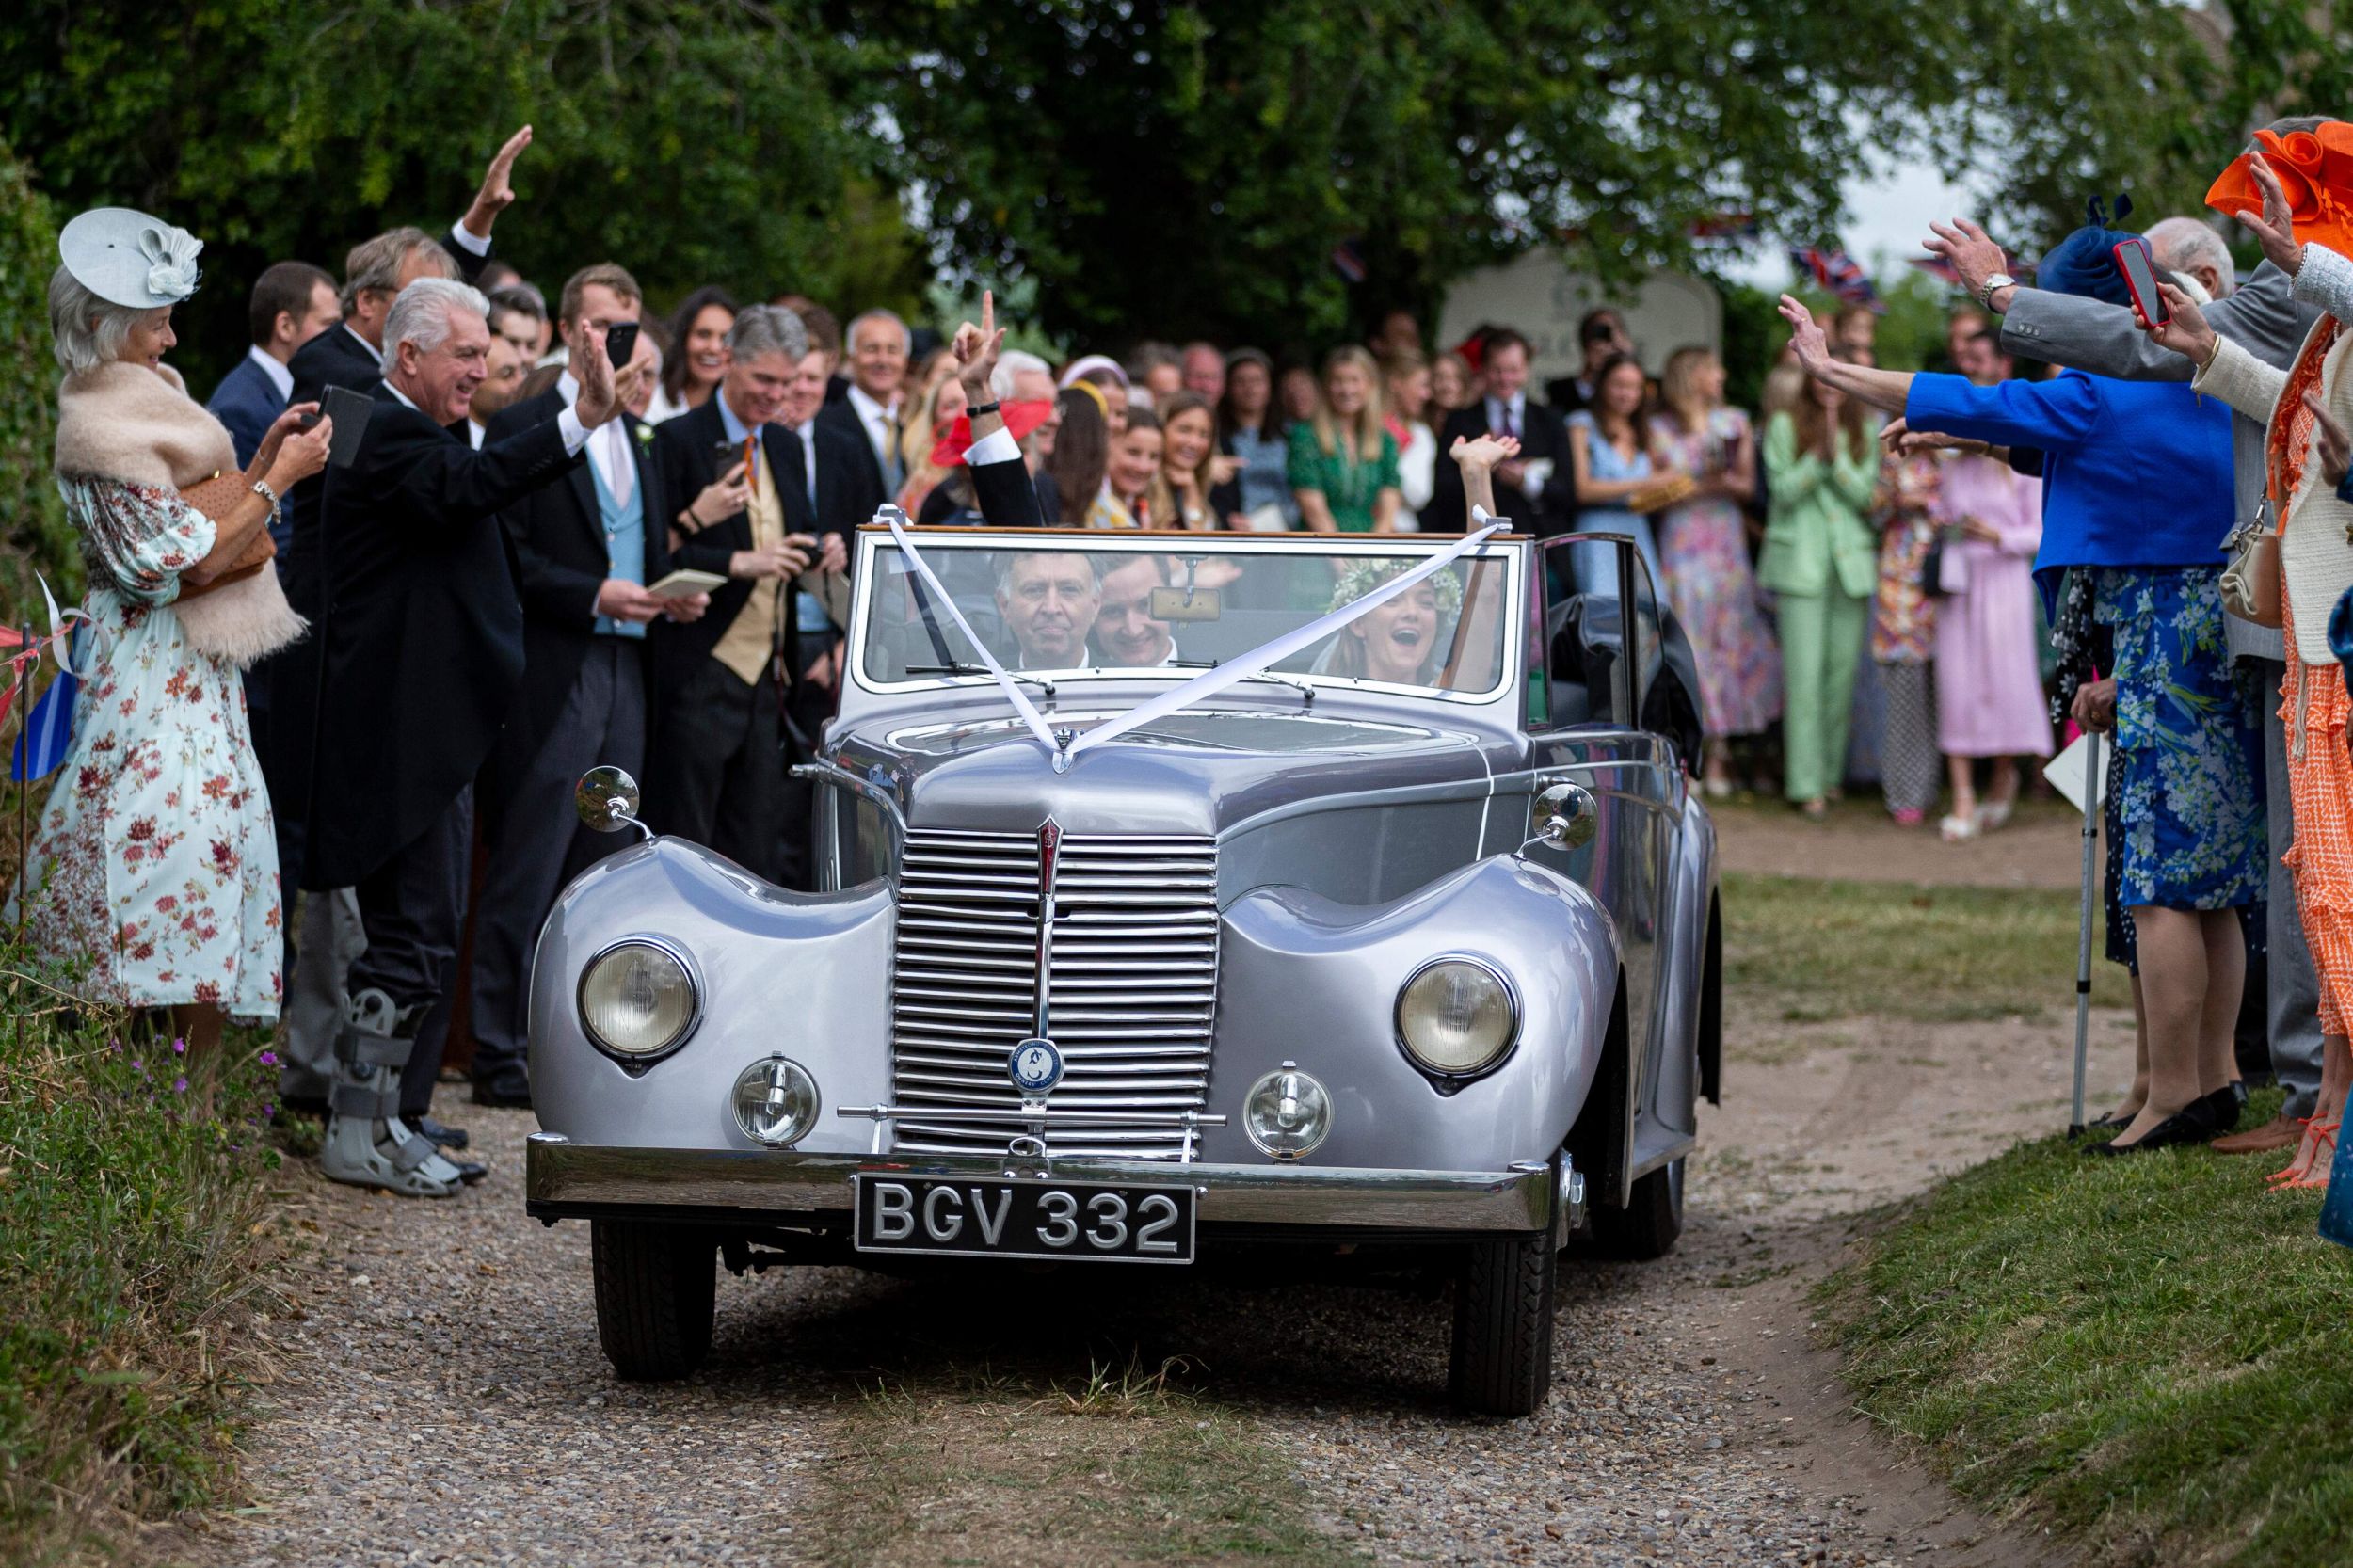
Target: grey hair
1013,558
87,331
421,315
376,263
905,337
767,329
1013,362
2180,244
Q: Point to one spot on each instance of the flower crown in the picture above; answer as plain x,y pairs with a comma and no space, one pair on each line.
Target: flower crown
1362,577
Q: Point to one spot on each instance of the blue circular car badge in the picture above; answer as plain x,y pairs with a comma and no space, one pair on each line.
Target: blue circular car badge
1035,1066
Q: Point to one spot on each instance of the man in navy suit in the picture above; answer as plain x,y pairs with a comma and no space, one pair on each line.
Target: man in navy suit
293,302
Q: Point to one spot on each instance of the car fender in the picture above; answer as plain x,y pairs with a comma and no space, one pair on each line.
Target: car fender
1307,979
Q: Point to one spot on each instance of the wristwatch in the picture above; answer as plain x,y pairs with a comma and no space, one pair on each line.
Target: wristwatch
977,409
261,487
1986,289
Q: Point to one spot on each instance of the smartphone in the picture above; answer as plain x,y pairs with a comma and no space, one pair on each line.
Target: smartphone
620,343
349,410
2140,280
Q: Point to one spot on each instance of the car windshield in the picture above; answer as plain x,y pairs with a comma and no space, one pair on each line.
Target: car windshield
1171,606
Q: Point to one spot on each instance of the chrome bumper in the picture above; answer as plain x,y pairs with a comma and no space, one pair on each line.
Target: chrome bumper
562,1177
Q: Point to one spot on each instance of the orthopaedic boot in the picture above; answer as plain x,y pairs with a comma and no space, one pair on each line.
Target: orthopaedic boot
367,1144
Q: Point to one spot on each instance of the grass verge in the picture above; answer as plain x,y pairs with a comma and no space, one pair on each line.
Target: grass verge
1814,950
129,1228
2151,1350
978,1470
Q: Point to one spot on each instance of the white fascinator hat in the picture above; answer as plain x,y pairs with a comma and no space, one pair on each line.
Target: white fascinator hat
127,258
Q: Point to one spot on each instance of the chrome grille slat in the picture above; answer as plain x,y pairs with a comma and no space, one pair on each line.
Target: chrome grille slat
1132,997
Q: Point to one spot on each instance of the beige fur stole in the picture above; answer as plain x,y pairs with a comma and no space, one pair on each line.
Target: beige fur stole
125,423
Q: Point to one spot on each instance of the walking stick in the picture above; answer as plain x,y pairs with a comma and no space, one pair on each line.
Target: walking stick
2083,936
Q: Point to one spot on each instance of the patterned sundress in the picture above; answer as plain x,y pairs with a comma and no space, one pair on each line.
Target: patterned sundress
1704,546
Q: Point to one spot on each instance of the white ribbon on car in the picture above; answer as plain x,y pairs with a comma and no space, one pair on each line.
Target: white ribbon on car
1208,682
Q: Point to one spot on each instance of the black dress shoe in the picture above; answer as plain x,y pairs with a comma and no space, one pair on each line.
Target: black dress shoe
2219,1109
433,1131
2186,1126
2115,1119
471,1170
508,1095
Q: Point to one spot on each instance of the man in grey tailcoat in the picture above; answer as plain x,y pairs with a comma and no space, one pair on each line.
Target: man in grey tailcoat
2263,316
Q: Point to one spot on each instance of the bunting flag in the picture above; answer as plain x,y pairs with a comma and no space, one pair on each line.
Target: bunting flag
1731,228
1838,274
41,747
1349,261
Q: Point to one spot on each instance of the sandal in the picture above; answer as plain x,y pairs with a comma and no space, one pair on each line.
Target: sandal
2298,1170
1956,830
1817,809
1994,814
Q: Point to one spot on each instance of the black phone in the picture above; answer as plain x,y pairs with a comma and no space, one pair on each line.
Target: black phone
620,343
309,419
349,410
729,454
2140,280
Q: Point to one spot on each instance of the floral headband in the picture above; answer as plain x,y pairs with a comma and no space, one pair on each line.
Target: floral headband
2316,170
1364,576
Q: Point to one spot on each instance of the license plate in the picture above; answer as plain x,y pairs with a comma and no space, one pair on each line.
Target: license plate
1004,1218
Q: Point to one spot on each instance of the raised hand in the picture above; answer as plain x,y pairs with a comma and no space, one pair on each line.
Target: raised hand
2329,441
1806,336
976,349
2275,229
497,192
599,399
1974,255
2187,333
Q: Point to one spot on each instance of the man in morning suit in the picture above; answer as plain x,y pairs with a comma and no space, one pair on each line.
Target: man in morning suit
1537,489
422,656
715,773
349,354
583,553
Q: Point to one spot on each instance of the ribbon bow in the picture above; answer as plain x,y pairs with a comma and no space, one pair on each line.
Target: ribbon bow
171,270
2315,168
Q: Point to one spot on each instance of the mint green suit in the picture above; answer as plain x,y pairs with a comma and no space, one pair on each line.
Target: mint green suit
1821,560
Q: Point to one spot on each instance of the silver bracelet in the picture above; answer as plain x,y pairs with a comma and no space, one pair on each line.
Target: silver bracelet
261,487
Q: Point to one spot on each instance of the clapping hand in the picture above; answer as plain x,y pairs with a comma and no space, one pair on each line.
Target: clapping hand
1806,336
2275,229
1481,454
2330,442
2186,332
497,192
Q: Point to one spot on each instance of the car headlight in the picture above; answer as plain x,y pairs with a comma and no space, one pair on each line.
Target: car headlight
1457,1015
1287,1113
638,998
775,1101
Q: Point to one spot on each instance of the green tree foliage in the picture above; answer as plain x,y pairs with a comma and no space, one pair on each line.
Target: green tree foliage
33,535
693,140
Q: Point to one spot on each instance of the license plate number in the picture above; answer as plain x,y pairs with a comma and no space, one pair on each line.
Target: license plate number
1005,1218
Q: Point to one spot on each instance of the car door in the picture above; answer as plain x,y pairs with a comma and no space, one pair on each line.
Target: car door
1596,642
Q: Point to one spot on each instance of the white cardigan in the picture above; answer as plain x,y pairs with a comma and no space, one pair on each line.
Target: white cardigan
2315,547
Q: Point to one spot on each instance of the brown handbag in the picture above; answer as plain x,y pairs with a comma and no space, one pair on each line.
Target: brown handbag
2251,576
215,497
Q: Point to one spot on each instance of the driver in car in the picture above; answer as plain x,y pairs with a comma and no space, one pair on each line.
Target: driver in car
1126,634
1048,598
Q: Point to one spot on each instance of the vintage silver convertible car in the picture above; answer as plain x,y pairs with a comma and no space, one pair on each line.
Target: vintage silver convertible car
1406,934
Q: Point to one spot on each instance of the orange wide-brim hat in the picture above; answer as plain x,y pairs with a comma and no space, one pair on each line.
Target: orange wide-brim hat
2315,168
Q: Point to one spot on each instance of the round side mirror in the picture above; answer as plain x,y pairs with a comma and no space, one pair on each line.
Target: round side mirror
1565,816
606,799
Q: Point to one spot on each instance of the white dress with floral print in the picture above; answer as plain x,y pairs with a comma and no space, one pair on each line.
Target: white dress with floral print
157,858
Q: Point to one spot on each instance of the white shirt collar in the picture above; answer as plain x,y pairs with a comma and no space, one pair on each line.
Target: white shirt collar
868,411
474,431
280,377
405,400
375,353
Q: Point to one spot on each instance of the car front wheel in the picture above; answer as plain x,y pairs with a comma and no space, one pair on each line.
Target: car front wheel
1647,1226
656,1290
1503,1303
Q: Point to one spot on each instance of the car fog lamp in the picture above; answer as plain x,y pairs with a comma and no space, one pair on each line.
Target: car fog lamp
1288,1113
775,1101
636,999
1456,1016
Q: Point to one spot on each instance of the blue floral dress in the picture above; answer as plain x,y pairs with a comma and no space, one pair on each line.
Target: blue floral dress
2188,776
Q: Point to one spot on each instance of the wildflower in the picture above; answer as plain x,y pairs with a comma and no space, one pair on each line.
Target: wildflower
269,1059
179,1046
180,1085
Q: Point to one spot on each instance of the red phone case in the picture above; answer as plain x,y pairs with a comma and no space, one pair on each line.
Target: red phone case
2140,306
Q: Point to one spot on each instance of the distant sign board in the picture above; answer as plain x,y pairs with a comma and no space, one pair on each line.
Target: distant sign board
1544,300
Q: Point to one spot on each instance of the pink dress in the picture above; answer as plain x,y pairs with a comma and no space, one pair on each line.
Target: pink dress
1989,683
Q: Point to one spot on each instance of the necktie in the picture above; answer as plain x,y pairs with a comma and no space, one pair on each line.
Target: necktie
1511,425
620,474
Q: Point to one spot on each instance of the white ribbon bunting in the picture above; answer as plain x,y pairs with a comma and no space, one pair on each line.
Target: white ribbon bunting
1014,694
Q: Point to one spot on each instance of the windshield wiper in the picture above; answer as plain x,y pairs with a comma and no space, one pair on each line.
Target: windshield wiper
962,667
1305,691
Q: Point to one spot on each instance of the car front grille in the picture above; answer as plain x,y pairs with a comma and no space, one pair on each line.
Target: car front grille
1133,987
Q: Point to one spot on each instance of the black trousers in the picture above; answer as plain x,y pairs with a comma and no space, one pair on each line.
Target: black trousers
411,907
715,774
538,843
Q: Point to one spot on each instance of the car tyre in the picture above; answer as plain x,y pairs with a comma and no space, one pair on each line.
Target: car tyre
656,1293
1503,1306
1646,1227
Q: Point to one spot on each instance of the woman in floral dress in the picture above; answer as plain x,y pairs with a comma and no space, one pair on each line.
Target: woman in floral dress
1903,636
154,873
1703,545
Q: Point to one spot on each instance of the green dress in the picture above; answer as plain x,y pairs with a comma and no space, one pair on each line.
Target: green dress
1349,489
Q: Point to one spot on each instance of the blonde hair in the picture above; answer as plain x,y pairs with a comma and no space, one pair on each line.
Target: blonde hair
917,436
1165,510
1677,394
1363,440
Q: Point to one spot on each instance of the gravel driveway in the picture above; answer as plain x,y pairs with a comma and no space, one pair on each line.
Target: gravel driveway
474,1420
